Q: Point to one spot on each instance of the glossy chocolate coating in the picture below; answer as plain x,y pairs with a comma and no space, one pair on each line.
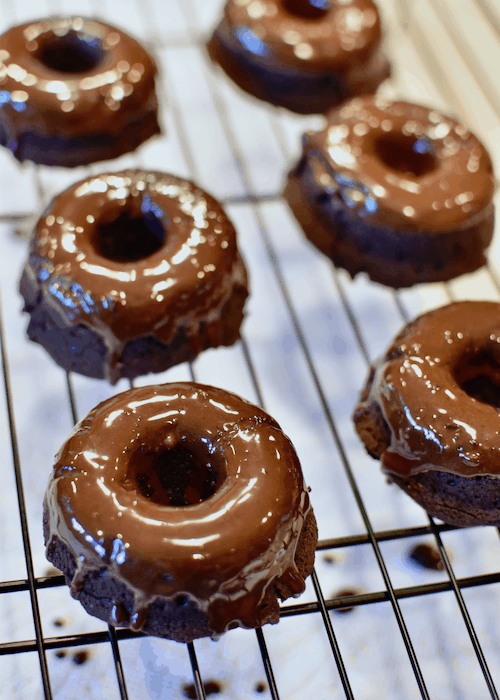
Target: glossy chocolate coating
182,284
331,50
396,190
74,79
223,552
355,159
432,402
342,37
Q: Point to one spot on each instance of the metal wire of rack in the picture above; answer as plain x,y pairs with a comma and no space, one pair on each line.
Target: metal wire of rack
256,203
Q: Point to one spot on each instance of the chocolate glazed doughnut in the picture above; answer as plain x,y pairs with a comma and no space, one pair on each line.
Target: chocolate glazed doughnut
431,412
74,91
133,272
180,510
395,190
305,55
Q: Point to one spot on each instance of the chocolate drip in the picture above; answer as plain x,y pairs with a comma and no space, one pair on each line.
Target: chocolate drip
77,581
119,614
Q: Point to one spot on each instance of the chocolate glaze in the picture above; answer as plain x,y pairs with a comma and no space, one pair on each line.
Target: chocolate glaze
342,37
400,165
223,552
73,78
417,391
183,283
395,190
337,46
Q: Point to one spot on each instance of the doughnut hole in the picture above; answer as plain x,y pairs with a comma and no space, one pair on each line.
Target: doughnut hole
405,154
74,52
130,238
478,373
307,9
181,475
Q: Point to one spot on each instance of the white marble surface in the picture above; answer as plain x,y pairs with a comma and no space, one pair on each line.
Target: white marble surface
237,145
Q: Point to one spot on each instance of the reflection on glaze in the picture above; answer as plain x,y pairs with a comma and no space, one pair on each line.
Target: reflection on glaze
334,35
251,41
184,282
400,165
305,55
222,552
102,94
438,389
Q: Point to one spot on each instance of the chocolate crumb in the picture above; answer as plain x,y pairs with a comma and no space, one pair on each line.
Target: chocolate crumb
426,556
329,559
60,654
190,691
211,688
80,657
260,687
341,594
58,622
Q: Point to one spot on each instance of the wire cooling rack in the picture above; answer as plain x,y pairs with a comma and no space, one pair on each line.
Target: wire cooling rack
399,606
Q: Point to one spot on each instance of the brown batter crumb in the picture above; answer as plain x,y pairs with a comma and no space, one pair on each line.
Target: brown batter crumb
329,559
211,688
341,594
80,657
426,556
